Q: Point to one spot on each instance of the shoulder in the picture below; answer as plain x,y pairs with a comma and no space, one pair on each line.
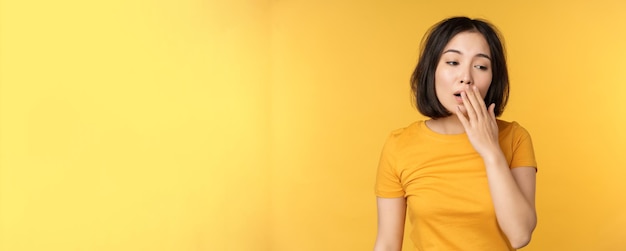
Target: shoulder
514,128
516,144
403,136
512,133
407,132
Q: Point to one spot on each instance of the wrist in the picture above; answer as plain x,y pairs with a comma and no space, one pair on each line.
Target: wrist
494,156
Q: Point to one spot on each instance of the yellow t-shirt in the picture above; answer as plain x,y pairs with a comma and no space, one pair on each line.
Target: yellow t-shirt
445,184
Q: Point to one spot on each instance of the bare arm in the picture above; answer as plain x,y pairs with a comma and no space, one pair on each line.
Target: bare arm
512,191
391,216
513,195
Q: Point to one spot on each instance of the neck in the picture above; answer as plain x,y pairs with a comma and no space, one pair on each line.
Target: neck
447,125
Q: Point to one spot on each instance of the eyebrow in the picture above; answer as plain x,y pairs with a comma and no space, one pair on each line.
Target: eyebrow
458,52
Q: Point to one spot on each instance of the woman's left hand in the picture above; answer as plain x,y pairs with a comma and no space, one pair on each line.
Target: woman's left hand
480,123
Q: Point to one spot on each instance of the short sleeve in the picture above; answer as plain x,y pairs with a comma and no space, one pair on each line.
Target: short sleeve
388,183
523,151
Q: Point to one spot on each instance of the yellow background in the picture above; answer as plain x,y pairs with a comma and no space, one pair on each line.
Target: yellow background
257,125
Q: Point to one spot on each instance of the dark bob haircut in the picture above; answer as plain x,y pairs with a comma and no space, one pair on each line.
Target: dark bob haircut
423,78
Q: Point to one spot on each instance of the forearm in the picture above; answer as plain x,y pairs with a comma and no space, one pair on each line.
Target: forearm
391,217
515,214
383,247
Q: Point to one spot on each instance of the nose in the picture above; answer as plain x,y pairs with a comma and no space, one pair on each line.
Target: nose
466,77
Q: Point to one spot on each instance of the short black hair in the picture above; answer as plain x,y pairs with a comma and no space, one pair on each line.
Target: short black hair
433,43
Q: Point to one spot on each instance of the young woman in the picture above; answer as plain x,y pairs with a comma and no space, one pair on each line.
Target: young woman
466,179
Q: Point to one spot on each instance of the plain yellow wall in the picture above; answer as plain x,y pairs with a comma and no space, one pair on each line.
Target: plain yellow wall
257,125
134,125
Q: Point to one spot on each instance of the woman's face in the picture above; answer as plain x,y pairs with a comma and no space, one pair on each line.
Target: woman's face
465,62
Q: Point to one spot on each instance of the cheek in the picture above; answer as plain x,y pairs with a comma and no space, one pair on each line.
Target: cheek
483,92
442,77
484,84
438,79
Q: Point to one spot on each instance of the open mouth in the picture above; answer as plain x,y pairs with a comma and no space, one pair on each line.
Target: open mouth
458,98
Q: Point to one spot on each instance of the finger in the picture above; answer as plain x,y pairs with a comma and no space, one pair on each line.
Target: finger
479,96
471,113
492,111
475,99
462,118
492,116
469,91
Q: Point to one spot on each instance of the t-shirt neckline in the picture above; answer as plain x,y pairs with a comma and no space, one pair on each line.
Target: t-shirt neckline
427,130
